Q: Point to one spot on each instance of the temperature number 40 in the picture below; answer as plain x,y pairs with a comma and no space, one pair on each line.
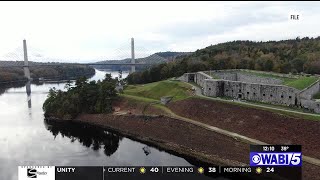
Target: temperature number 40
154,169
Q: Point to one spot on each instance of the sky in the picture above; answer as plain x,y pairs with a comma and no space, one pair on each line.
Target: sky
93,31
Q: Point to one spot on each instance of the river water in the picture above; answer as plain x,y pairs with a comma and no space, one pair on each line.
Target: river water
26,139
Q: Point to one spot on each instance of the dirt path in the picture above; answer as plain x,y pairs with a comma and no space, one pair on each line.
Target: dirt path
265,126
177,134
226,142
185,139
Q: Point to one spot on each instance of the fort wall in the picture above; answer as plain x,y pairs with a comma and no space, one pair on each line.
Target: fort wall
241,85
311,104
310,91
200,78
246,77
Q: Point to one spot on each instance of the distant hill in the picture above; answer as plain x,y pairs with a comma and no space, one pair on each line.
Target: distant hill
9,72
169,55
299,55
285,56
156,58
44,64
21,63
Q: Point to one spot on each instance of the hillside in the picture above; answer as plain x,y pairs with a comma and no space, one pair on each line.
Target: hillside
295,55
156,58
169,55
156,90
61,71
285,56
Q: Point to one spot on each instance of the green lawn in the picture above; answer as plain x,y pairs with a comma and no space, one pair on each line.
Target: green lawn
156,90
285,80
302,82
265,74
152,92
298,83
212,75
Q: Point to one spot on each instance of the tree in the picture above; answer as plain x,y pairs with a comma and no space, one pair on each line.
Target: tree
297,64
268,65
313,67
295,55
84,97
155,72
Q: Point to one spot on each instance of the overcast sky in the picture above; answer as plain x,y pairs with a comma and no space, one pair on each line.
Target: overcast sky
85,31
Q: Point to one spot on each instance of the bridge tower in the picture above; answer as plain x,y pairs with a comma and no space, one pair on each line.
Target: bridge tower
133,67
26,62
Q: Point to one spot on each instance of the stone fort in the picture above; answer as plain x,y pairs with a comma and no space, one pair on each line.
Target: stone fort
255,86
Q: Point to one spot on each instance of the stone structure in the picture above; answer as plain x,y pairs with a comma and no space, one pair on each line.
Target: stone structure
240,84
243,76
306,97
165,99
187,77
119,88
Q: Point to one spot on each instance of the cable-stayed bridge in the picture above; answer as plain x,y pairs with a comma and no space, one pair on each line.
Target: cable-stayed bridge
21,64
20,58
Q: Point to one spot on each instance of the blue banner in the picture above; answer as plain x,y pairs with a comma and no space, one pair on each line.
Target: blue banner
275,158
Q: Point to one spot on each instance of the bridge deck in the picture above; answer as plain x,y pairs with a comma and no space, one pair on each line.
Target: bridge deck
68,64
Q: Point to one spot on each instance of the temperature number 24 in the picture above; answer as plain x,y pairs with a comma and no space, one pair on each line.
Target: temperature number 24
270,169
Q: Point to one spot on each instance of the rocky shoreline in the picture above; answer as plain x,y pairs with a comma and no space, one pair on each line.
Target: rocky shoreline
174,136
153,141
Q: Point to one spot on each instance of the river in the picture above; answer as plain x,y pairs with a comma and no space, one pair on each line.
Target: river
26,139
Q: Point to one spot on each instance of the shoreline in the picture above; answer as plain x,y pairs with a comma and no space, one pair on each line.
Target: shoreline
196,152
148,141
37,81
161,145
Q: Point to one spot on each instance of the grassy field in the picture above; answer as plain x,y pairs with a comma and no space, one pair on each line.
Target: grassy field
156,90
152,92
212,75
138,98
302,82
266,74
298,83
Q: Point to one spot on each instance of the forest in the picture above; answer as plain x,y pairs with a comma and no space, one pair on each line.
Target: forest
9,74
84,97
300,55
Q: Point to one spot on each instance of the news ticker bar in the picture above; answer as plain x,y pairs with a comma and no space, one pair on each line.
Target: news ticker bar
143,172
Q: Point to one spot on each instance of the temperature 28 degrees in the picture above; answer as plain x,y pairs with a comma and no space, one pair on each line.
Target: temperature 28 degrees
284,148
